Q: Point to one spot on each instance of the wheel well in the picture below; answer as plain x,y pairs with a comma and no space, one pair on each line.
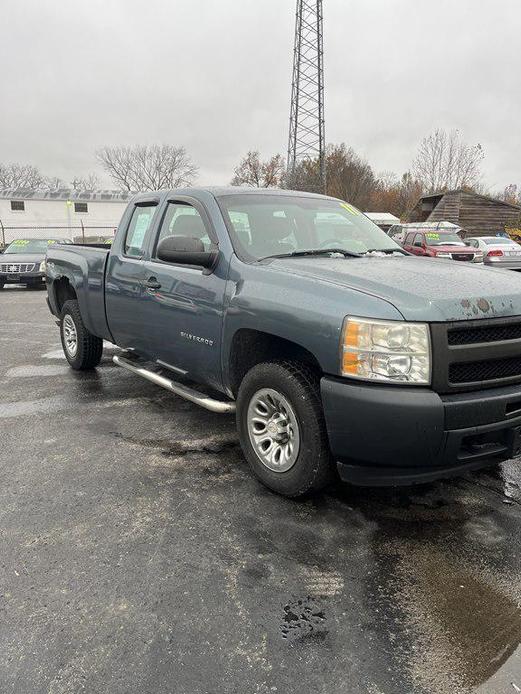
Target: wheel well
63,291
251,347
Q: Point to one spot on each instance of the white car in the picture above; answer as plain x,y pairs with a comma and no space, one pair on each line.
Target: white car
498,251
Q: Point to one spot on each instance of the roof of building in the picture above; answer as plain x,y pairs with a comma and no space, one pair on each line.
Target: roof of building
382,217
65,194
469,192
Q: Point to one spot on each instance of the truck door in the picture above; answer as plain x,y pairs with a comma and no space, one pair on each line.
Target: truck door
124,290
184,304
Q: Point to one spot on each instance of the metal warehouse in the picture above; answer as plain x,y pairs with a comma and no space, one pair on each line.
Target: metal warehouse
63,213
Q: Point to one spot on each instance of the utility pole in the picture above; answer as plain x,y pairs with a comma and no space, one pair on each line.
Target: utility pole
306,126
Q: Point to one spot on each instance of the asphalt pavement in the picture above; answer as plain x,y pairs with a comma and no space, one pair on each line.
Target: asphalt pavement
138,554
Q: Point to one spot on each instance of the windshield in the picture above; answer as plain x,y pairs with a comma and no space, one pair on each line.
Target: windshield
30,246
436,239
498,240
267,225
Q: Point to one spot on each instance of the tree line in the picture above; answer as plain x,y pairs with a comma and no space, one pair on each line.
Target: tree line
443,161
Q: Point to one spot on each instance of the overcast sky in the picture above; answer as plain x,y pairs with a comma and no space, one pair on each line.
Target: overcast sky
214,76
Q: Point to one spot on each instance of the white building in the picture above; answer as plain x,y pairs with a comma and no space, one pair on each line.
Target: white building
385,220
60,213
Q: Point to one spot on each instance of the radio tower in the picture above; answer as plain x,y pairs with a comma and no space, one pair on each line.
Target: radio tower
306,127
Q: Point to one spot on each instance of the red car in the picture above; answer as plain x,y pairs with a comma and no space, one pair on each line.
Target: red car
441,244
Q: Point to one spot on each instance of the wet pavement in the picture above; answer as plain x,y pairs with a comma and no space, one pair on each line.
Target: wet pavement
137,554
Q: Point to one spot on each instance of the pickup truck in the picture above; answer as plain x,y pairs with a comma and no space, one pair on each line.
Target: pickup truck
339,352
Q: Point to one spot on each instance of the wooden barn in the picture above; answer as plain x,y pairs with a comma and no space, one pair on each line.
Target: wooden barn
479,215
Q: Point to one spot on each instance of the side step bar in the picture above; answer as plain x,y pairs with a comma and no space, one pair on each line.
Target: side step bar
221,406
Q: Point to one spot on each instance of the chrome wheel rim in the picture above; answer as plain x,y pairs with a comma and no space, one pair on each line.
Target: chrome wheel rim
273,430
70,336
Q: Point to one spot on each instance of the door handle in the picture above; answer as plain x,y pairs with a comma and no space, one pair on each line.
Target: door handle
152,283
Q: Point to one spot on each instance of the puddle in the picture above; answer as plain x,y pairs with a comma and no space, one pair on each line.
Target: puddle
469,627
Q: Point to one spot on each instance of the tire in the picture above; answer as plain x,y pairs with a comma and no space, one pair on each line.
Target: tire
1,285
295,385
86,354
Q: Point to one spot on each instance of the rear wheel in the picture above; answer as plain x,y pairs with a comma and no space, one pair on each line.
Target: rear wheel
282,429
1,285
82,349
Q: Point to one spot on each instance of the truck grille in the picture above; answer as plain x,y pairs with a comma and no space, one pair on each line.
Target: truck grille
469,355
469,372
468,336
16,267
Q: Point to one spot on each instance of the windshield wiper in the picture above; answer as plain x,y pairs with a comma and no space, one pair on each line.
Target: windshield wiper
313,251
384,250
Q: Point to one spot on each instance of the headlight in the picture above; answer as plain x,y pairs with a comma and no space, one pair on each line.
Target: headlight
43,266
389,351
443,255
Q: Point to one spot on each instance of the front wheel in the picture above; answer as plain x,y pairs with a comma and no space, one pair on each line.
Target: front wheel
82,349
282,429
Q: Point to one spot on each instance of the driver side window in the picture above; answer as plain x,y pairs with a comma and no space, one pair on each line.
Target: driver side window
181,219
418,241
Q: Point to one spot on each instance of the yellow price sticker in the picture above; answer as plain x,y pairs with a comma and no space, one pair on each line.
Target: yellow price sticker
349,208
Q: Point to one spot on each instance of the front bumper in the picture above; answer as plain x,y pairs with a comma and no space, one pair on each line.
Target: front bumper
22,278
385,435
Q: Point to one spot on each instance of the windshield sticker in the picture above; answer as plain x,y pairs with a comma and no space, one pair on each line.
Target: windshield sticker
432,235
20,242
349,208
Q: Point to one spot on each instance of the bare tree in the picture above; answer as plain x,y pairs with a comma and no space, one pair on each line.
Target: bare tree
89,182
349,177
511,194
445,162
21,176
254,172
54,183
148,167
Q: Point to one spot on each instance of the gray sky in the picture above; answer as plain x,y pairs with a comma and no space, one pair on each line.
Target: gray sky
214,76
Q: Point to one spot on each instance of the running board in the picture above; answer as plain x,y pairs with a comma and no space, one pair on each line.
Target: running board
185,392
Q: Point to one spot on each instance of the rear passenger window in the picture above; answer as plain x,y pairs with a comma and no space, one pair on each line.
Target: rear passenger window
182,219
137,229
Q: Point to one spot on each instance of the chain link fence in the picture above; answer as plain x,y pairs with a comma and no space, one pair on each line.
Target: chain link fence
78,234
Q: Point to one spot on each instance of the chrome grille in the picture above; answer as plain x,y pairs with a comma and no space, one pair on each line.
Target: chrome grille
463,256
16,268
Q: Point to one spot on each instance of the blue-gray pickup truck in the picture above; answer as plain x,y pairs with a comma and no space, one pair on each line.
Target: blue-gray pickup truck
339,352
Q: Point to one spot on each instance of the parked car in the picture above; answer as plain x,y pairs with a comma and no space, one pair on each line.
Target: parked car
498,251
23,262
398,232
441,244
329,342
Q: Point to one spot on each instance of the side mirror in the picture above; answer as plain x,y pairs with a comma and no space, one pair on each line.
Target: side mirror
186,250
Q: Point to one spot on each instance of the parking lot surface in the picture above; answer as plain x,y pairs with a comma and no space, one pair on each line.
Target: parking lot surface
137,553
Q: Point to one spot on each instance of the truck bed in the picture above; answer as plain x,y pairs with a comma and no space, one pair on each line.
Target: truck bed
81,266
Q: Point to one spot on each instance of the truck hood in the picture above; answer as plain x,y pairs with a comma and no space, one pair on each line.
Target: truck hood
21,258
422,289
